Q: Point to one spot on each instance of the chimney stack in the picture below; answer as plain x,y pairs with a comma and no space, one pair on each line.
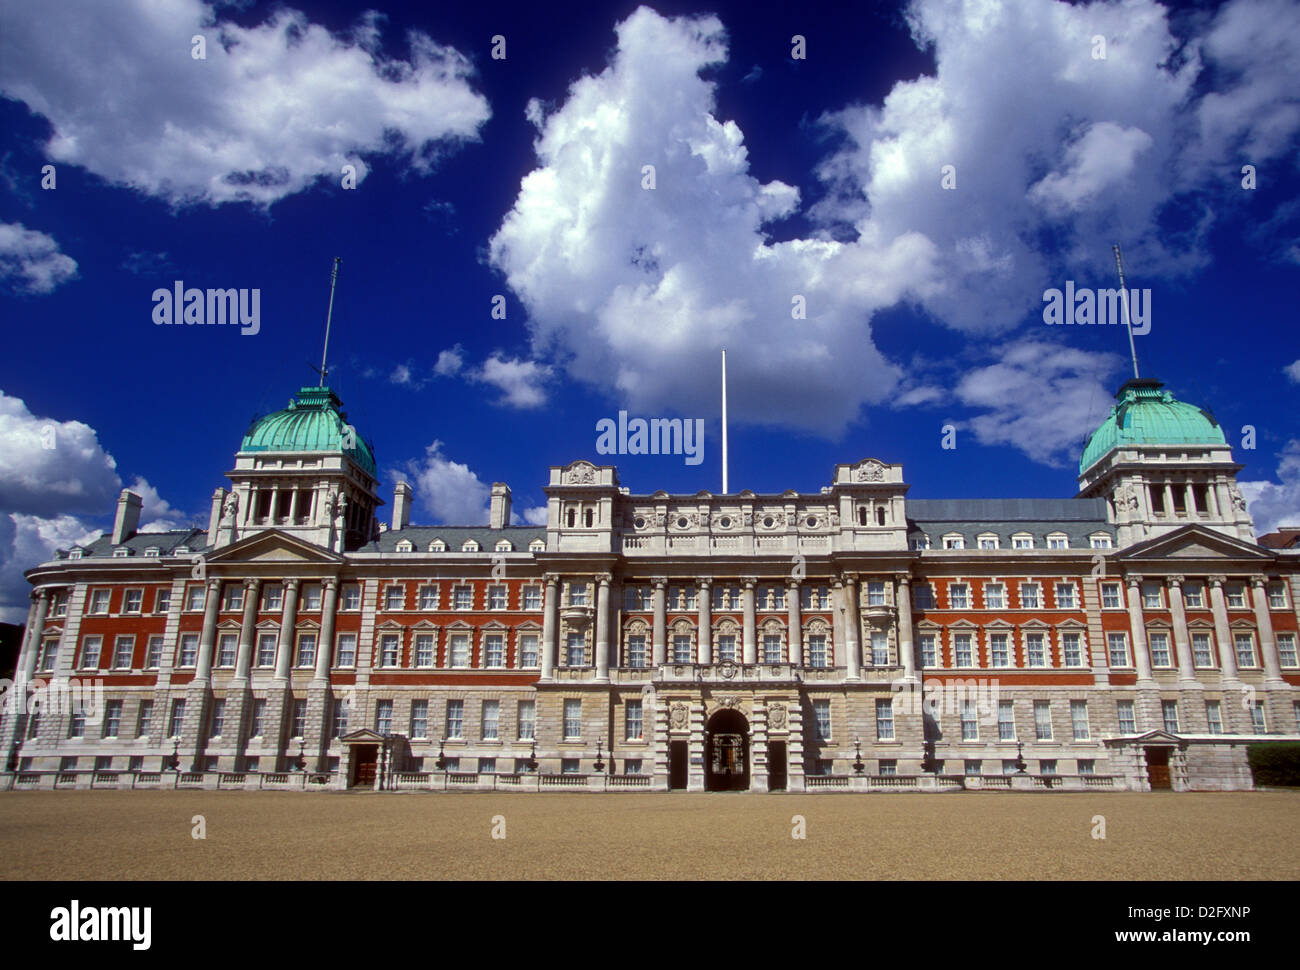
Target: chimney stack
214,517
401,506
128,516
499,516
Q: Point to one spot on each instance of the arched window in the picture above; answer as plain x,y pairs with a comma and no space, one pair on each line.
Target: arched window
588,518
880,516
572,518
862,515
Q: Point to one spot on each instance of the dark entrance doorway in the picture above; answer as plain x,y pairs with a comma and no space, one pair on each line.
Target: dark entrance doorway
365,758
677,758
726,752
1158,768
776,766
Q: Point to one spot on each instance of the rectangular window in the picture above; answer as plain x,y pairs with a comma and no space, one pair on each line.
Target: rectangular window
217,718
1058,542
575,654
311,597
132,600
1151,596
1194,596
1065,598
462,598
1006,721
1159,643
494,650
1030,596
428,597
572,718
347,650
969,722
306,650
1072,647
123,648
681,649
1214,717
929,651
194,598
1245,644
879,648
1236,596
144,723
632,720
958,596
636,651
227,647
527,720
487,766
112,718
988,542
384,717
90,652
424,650
888,767
77,729
1110,596
1079,720
50,652
962,647
1202,652
1124,714
1257,717
1276,596
577,594
459,650
1117,649
1087,766
99,601
1286,652
395,598
634,598
528,650
884,719
189,652
1022,542
420,718
273,598
298,719
1047,766
177,718
726,648
266,650
390,645
570,766
496,597
817,651
1169,710
351,598
771,649
257,722
995,596
822,720
1043,720
998,648
922,596
339,723
875,594
632,766
973,766
491,720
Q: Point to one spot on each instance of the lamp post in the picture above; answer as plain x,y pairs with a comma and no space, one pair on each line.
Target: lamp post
174,762
442,758
599,765
858,766
532,758
1020,758
301,763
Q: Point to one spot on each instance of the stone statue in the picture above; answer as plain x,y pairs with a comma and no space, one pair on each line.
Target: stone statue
228,510
1238,501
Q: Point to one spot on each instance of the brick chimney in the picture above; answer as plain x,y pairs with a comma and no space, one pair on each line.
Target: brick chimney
401,506
499,515
128,516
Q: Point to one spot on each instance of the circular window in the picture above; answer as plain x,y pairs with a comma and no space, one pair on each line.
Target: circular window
682,523
639,522
725,522
811,522
768,522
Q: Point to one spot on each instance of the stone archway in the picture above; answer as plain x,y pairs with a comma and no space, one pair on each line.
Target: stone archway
726,751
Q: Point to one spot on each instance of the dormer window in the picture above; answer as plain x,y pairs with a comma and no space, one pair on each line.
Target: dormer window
954,541
988,541
1058,540
1100,541
181,551
471,545
537,545
153,552
121,552
505,545
405,546
437,545
1022,540
74,554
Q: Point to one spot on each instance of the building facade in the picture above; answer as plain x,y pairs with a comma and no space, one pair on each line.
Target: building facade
1133,636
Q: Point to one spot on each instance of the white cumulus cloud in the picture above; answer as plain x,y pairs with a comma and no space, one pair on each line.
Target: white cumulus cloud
1273,504
31,260
448,490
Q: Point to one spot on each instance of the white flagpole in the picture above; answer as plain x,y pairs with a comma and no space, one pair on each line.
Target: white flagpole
724,421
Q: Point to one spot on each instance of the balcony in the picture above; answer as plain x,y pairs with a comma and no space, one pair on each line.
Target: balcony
577,614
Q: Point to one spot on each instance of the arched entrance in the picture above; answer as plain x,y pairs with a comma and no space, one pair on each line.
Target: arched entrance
726,752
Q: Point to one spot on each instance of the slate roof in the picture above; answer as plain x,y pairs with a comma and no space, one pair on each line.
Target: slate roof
195,540
455,536
1078,518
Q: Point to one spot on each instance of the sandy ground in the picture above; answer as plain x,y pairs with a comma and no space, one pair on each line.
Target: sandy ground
274,835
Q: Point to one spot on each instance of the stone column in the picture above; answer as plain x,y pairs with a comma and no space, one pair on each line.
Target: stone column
750,626
659,637
1222,631
325,647
1189,500
1182,641
705,622
288,619
906,648
1267,641
15,701
1227,512
203,667
795,624
551,627
852,621
1169,501
320,699
247,628
1141,657
1212,500
602,627
278,695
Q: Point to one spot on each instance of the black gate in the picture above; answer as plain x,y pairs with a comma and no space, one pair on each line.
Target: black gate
678,755
776,766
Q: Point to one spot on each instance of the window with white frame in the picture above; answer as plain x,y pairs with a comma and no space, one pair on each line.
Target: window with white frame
455,722
188,654
306,650
1100,542
958,596
394,598
1072,648
77,728
1022,540
339,719
1158,641
817,651
879,648
920,543
1245,648
632,721
1202,649
1047,766
572,718
346,652
528,650
772,598
113,718
999,649
726,648
1112,597
487,766
1043,720
99,601
888,767
1151,596
632,766
636,598
1006,721
50,652
929,650
875,593
1236,596
132,600
227,647
491,720
459,650
351,597
390,645
273,597
1125,717
123,648
636,655
153,653
575,654
922,596
1214,717
681,649
1276,596
177,718
987,541
884,719
1036,649
532,597
973,766
424,649
1257,722
771,648
1065,596
1169,711
1030,596
470,545
420,718
162,601
1058,540
428,598
995,596
462,598
1193,596
194,598
384,716
1079,720
578,594
822,720
494,650
298,719
312,594
961,643
527,720
1117,649
1286,651
970,730
144,719
954,542
496,597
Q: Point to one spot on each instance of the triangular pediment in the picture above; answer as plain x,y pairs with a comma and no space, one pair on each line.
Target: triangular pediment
1194,542
363,736
273,545
1158,736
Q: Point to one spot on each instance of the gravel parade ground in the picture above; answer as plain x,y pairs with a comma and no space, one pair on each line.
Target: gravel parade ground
272,835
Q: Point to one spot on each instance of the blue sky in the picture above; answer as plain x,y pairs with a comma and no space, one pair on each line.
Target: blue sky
776,177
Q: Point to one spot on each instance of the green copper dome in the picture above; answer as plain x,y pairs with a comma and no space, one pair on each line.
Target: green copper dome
1146,415
313,421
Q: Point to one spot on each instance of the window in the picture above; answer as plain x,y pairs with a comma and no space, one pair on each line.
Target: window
1245,645
954,542
1022,541
879,648
1151,596
384,716
90,652
1169,711
929,651
50,651
632,720
636,651
1286,651
496,597
1065,598
1159,642
1072,647
112,718
1202,652
888,767
306,650
424,650
1043,720
570,766
527,720
460,650
920,543
726,648
1100,542
1124,714
995,596
1193,595
1214,717
532,597
394,597
1006,721
969,722
577,594
1087,766
123,648
922,596
822,720
194,598
227,645
273,598
144,722
462,598
988,542
1117,649
1079,720
99,601
875,593
347,650
298,719
390,645
77,729
428,597
1236,596
339,722
311,597
1058,542
632,766
189,651
634,598
1047,766
771,649
266,650
575,653
1276,596
1030,596
132,600
177,718
998,649
1257,717
257,722
961,643
817,651
420,718
1110,596
491,724
528,650
973,766
884,719
773,598
572,718
487,766
351,596
681,649
958,596
494,650
1009,766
